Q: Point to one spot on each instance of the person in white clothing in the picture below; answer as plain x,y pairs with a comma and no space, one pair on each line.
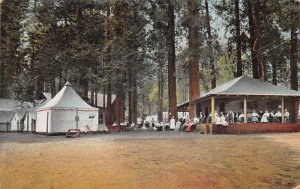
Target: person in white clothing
172,123
223,120
265,117
255,117
278,117
286,115
178,125
217,119
241,117
196,120
201,117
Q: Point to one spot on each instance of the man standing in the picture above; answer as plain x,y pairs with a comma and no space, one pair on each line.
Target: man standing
230,116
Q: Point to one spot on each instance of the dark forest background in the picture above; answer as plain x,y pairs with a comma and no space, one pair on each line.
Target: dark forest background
153,54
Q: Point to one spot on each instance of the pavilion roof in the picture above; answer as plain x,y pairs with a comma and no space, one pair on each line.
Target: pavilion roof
251,87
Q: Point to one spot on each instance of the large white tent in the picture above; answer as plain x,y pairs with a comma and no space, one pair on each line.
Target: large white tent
66,111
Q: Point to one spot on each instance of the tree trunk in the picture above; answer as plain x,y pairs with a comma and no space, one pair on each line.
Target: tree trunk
171,61
143,105
119,106
53,87
83,88
109,108
160,92
193,40
294,73
274,73
92,97
257,42
2,80
130,95
254,41
104,102
39,88
293,62
239,66
211,54
134,99
96,98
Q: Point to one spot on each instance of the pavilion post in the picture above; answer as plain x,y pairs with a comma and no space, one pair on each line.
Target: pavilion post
245,109
212,109
294,106
212,101
282,109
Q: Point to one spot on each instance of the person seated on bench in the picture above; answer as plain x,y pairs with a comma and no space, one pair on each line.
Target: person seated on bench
217,119
278,117
241,117
271,117
208,119
265,116
255,117
178,125
286,116
223,120
159,126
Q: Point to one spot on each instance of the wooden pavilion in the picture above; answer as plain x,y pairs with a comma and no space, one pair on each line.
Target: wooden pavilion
245,94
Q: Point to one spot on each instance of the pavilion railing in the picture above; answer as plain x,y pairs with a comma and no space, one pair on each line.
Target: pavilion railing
252,128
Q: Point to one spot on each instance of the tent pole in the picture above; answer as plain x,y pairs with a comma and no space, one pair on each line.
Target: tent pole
245,109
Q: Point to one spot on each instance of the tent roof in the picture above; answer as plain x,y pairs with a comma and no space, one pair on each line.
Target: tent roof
20,114
47,96
67,98
248,86
9,104
32,113
6,116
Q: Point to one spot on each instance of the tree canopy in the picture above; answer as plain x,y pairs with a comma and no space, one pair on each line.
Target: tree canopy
153,54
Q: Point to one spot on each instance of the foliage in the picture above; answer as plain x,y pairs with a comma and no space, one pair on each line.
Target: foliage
45,43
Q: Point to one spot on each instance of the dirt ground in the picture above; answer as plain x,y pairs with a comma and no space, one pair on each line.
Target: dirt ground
151,160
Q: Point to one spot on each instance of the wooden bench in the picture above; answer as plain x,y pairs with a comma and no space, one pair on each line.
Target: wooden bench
73,133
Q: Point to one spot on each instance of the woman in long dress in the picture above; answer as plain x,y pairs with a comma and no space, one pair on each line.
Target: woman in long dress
223,120
264,118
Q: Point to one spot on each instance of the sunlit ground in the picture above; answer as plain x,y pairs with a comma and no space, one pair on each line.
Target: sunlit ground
150,160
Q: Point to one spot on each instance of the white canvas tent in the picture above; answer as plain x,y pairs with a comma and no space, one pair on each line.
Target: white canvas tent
29,120
66,111
17,123
5,120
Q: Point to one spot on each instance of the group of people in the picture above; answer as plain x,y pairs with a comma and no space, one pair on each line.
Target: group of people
184,124
221,119
261,117
270,117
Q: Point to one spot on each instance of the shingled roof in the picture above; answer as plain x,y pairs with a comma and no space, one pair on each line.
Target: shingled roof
252,87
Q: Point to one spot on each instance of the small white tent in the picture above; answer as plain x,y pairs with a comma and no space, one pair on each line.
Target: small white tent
66,111
17,123
29,121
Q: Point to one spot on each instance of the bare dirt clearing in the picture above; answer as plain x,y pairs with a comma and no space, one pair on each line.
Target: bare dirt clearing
150,160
